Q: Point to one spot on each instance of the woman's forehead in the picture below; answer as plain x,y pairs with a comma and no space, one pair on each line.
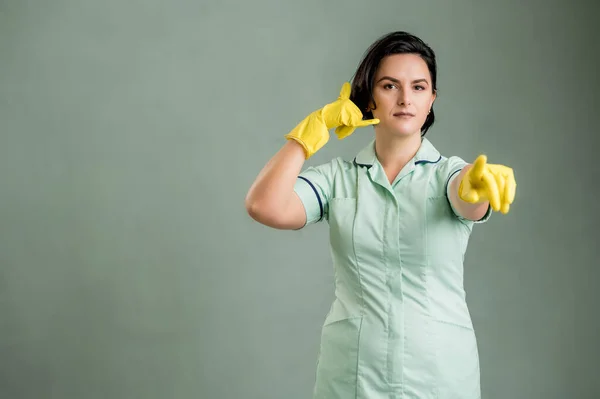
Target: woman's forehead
403,66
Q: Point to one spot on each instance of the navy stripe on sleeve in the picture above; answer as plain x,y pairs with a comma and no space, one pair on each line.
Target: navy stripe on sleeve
452,175
448,181
316,193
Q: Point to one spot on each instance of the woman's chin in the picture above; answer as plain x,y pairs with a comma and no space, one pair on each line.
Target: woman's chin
399,130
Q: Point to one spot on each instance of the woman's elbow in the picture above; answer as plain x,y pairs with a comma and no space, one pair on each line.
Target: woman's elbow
260,212
277,217
252,207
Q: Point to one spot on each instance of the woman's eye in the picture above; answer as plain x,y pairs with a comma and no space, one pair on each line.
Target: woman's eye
388,86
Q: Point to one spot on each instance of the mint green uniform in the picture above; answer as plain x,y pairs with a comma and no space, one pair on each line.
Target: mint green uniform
399,326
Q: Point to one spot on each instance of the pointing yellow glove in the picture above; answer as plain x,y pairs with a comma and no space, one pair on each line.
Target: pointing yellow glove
487,182
313,132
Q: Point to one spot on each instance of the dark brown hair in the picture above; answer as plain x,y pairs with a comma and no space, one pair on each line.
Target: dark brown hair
393,43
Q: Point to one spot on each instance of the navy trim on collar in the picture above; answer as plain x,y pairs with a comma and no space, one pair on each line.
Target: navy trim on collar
426,161
362,165
427,153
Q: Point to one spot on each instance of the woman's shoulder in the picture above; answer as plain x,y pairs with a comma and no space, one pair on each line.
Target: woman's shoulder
449,164
333,165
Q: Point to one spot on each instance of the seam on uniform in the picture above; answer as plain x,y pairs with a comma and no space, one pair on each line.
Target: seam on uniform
360,284
358,376
431,338
388,362
336,168
454,324
317,194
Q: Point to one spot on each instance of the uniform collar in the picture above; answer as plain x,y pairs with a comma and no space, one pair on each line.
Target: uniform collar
427,153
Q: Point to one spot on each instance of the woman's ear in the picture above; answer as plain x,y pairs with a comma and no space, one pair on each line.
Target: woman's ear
370,107
433,98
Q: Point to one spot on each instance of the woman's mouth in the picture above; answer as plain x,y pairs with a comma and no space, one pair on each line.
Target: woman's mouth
403,115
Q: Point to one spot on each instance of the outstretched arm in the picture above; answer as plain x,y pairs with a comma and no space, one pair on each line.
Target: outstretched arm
481,185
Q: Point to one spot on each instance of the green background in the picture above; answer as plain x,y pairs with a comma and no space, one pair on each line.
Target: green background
130,132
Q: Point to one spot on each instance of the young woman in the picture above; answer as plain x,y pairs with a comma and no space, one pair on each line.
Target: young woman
400,216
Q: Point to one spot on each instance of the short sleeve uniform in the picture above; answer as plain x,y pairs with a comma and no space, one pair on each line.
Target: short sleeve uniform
399,326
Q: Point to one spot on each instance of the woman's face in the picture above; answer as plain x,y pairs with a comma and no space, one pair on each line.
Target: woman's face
403,94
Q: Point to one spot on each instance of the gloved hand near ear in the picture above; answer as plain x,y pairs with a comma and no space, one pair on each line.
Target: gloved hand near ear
488,182
313,132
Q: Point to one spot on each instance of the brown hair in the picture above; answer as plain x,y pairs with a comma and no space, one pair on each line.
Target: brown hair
393,43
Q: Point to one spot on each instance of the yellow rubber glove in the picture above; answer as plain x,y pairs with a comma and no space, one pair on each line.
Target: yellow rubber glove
488,182
313,132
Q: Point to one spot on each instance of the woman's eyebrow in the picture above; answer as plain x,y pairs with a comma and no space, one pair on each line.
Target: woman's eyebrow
397,81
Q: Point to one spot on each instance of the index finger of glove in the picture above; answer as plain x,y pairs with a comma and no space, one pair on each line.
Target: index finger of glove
479,167
367,122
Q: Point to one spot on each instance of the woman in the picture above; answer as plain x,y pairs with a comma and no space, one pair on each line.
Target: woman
400,216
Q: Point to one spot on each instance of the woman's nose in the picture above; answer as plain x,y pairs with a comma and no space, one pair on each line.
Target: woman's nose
403,97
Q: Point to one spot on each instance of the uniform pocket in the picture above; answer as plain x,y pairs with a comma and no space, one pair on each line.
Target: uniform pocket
458,361
342,212
338,359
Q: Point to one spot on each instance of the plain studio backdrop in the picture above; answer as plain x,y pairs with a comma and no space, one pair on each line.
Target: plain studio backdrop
131,131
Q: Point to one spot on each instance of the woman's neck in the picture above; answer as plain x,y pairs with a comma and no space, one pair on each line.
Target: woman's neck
395,152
